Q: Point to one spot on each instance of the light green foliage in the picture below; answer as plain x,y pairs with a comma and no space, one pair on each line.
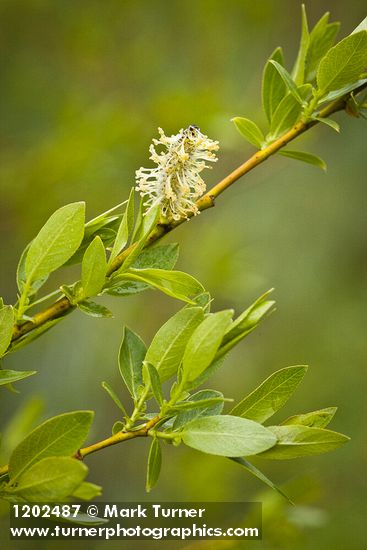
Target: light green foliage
287,113
154,464
6,328
206,403
22,277
159,257
322,38
296,441
314,419
227,436
51,479
10,376
151,377
147,224
125,228
343,63
204,344
249,130
94,268
298,73
309,158
87,491
329,122
246,322
271,395
288,81
61,435
56,242
336,94
247,465
362,26
114,397
273,87
131,356
173,283
168,345
93,309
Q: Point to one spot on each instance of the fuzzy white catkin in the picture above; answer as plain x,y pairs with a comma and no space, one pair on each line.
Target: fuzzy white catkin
175,183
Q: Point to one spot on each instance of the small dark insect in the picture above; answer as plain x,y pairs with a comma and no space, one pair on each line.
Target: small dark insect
193,130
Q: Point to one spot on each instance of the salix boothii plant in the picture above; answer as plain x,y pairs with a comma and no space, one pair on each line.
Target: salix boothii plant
116,257
175,184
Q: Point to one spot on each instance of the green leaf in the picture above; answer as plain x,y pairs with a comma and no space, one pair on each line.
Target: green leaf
151,375
61,435
51,479
362,26
126,227
104,226
257,473
177,284
6,328
227,436
298,73
204,343
94,268
304,157
114,397
271,395
168,345
94,310
131,357
246,322
100,221
10,376
56,242
204,404
21,275
336,94
149,221
329,122
343,63
287,79
249,130
87,491
203,300
322,37
154,464
160,257
117,427
273,87
72,292
207,373
297,441
287,113
314,419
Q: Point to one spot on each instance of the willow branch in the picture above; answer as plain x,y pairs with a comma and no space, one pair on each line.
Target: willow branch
119,437
63,306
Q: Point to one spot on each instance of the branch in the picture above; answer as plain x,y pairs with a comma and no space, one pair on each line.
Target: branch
63,306
119,437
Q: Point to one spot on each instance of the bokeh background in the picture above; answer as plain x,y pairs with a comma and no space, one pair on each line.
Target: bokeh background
84,86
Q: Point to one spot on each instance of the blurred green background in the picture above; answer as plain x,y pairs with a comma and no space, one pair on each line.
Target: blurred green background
84,86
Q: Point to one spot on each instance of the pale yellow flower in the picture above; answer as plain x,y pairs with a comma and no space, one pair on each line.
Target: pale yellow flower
175,183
